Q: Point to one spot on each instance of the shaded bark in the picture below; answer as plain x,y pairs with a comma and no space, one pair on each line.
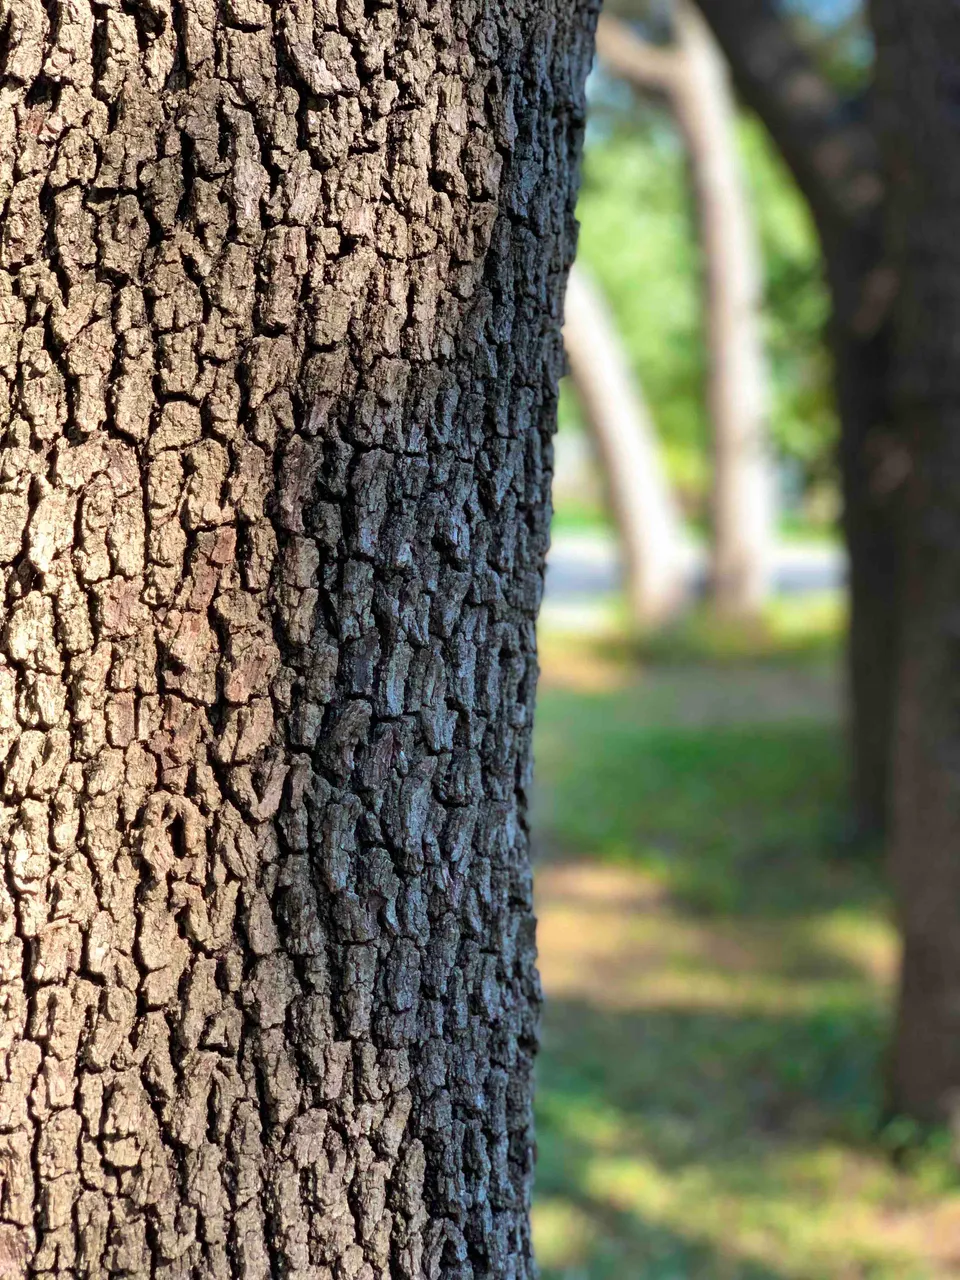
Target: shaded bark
917,111
648,521
872,472
280,309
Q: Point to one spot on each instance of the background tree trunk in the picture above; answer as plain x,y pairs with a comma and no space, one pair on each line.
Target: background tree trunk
743,481
872,471
280,311
692,75
917,111
830,148
649,524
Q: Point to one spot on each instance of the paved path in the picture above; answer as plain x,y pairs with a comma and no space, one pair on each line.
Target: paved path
586,565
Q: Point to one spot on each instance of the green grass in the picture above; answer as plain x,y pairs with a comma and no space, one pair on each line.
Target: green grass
718,964
791,630
580,517
729,817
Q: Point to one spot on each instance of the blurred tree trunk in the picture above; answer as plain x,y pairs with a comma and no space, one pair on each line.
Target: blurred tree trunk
829,146
872,469
281,311
743,482
916,87
649,524
693,75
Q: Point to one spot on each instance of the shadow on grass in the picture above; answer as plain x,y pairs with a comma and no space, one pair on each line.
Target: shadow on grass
718,972
588,1239
710,1146
743,819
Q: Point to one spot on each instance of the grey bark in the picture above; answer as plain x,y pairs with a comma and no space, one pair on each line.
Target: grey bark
280,311
917,47
693,75
647,517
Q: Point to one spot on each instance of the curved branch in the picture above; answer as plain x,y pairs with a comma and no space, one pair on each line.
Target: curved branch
738,373
694,76
643,65
833,157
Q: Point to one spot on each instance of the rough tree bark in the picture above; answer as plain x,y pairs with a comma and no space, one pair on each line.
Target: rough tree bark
830,148
693,75
280,328
648,521
917,44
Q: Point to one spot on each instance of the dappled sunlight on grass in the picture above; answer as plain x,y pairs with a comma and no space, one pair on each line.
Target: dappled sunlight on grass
791,629
718,965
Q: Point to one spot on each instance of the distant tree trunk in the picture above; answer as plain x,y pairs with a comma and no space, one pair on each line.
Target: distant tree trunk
649,524
829,147
693,76
872,469
280,328
917,45
743,482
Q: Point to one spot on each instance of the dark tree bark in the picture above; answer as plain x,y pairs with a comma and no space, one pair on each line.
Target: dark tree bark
280,315
917,46
830,147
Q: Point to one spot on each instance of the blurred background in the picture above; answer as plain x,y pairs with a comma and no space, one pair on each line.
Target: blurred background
716,938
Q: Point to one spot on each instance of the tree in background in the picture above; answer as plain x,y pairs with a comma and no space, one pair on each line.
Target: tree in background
824,135
647,517
692,74
828,143
281,297
918,42
890,241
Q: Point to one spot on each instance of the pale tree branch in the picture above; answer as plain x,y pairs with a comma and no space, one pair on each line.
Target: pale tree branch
648,520
832,155
631,58
694,76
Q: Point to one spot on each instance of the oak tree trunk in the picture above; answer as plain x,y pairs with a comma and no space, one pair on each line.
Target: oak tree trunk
280,311
647,517
917,43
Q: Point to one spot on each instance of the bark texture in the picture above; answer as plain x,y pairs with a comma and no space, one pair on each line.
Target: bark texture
917,90
648,520
280,309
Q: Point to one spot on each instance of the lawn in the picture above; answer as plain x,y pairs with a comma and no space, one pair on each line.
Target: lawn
718,962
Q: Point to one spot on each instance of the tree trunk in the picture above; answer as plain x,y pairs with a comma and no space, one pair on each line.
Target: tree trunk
280,294
743,483
830,148
872,470
917,43
651,532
